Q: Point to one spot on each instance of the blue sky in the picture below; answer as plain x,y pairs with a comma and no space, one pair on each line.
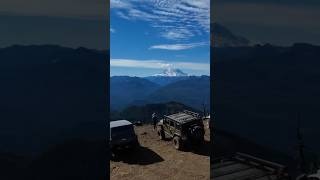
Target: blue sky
147,36
277,22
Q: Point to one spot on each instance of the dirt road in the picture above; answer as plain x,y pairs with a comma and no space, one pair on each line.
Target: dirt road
157,159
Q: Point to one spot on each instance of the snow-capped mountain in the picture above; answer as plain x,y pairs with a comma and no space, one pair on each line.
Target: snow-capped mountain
168,76
172,72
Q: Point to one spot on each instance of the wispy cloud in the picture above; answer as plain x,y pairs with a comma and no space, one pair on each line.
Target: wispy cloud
175,34
158,64
177,20
177,47
112,30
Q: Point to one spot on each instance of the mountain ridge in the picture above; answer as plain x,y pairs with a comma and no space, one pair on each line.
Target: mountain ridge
130,90
223,37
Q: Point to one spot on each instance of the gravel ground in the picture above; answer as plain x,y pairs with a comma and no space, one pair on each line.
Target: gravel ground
157,159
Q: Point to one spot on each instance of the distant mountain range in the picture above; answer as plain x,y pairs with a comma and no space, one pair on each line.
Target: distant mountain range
193,91
126,89
165,80
190,90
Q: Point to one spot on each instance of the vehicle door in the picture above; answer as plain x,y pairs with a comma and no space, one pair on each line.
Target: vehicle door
171,127
177,128
166,126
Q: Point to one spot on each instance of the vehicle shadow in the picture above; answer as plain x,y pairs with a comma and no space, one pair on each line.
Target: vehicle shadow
204,149
140,155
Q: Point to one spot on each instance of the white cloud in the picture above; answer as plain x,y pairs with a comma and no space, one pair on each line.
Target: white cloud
177,47
158,64
176,34
177,19
112,30
122,15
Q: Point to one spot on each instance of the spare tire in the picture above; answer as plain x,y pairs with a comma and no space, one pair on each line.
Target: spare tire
197,132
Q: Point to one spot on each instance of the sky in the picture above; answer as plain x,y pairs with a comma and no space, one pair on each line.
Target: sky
279,22
67,23
147,36
84,22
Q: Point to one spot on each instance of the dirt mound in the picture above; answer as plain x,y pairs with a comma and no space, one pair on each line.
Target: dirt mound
157,159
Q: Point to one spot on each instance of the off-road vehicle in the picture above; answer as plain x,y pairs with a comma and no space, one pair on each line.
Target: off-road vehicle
122,135
184,128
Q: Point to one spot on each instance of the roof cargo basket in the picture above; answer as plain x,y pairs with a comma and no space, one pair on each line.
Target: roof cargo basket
191,113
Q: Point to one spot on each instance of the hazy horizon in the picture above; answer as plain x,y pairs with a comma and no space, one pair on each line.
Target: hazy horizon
157,74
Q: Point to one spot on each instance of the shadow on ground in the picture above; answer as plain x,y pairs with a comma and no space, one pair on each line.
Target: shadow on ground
203,149
140,155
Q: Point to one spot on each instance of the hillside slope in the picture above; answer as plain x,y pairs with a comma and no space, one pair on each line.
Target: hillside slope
143,113
125,89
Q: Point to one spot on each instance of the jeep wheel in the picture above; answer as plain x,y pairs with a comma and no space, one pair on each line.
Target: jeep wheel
177,143
161,134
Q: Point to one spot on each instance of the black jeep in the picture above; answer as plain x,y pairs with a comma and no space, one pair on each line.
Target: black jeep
184,128
122,135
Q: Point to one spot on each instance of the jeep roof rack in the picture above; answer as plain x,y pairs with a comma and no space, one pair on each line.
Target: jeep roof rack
191,113
183,117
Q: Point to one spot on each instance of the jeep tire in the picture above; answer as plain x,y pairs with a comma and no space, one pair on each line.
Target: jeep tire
177,143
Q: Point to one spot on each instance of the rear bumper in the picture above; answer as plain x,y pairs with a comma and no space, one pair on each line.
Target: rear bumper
122,144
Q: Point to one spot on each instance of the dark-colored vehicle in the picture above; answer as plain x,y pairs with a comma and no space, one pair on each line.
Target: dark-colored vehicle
184,128
122,135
